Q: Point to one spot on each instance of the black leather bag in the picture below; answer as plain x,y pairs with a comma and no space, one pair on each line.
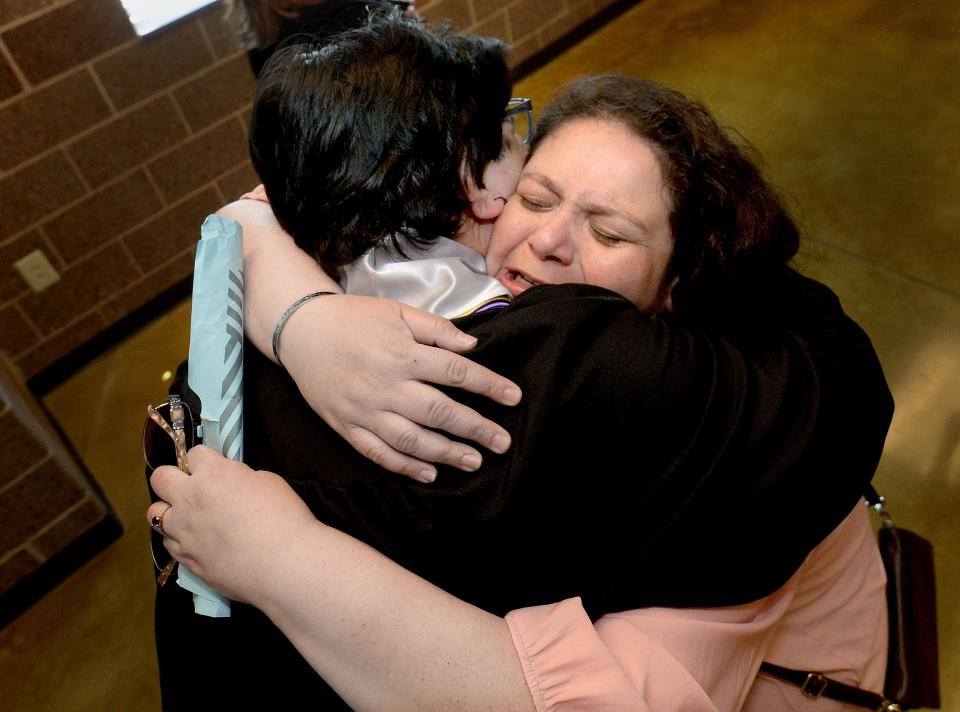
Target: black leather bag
913,673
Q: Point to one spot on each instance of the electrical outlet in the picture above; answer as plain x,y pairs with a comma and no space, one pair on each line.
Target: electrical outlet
37,271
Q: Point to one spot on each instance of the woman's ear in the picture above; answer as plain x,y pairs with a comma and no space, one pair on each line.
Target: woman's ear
483,204
667,300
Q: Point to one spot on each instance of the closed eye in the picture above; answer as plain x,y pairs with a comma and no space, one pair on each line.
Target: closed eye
532,204
606,238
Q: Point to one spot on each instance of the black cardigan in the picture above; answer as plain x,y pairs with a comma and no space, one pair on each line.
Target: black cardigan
652,464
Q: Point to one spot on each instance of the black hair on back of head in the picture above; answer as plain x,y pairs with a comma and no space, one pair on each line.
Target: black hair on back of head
366,134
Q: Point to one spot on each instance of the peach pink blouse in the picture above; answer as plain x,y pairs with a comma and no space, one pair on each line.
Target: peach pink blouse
829,617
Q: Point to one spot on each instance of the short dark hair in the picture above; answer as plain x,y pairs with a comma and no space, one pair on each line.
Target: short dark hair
366,135
729,225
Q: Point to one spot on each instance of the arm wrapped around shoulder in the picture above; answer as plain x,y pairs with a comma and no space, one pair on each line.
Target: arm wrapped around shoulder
657,463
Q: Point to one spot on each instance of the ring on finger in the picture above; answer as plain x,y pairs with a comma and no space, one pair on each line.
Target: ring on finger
156,521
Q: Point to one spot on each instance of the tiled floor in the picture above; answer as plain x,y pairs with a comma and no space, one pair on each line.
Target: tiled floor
855,106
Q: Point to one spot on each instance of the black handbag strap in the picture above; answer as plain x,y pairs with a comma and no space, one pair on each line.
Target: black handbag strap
814,685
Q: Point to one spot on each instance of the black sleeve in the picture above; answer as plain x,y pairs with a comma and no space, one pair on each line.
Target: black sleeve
653,463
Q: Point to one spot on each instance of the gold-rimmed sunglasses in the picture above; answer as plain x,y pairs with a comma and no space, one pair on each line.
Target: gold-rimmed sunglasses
168,433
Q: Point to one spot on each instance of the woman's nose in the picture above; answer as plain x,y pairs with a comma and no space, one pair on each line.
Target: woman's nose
553,241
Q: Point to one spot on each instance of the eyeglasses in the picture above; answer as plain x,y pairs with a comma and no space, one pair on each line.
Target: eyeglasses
168,433
519,113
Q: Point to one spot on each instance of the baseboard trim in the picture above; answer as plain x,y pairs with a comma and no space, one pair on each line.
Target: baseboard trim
565,42
59,371
52,572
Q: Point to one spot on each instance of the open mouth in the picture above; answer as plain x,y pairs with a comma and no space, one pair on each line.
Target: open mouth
517,282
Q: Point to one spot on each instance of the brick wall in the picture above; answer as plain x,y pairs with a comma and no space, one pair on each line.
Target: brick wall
528,25
113,149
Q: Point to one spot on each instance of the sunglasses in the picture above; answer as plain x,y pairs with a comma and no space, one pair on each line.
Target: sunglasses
168,433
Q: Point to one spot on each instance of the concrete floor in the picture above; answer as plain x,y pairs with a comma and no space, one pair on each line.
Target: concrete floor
855,106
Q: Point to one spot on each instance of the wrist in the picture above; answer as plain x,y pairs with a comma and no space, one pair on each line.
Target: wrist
287,314
279,579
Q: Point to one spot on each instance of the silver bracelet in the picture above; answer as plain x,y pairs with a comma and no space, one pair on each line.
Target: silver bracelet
286,315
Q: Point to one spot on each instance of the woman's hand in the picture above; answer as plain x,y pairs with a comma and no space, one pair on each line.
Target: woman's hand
361,364
382,637
228,522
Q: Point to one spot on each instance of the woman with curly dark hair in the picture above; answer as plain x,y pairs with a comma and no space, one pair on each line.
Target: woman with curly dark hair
684,394
728,226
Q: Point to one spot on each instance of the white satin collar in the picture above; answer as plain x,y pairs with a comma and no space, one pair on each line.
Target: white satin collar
446,278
